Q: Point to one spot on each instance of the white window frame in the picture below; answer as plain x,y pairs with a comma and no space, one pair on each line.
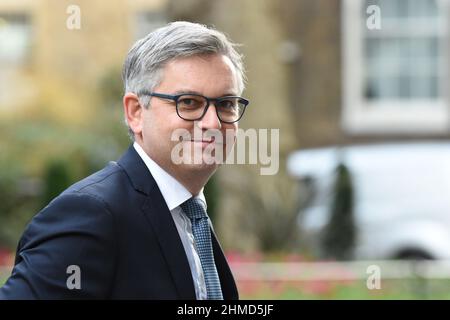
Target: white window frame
361,116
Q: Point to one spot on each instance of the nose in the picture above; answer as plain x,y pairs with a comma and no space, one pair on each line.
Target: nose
210,119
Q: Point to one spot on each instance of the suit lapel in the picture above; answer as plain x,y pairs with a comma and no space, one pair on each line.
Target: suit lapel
160,219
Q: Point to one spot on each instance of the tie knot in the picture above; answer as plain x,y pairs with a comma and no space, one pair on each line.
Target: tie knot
194,208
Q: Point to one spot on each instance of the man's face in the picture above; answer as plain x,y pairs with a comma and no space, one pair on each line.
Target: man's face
209,75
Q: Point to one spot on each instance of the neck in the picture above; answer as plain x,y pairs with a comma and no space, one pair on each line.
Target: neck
192,177
193,180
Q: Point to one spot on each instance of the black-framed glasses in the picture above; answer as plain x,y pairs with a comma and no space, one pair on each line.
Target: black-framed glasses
192,107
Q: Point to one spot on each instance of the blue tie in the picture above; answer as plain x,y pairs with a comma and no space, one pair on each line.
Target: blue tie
196,211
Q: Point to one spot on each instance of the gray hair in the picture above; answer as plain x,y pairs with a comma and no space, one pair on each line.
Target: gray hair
145,61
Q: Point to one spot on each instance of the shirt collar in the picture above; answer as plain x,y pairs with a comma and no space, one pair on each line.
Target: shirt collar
173,192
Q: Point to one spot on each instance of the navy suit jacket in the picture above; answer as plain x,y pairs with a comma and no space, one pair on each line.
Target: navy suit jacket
116,227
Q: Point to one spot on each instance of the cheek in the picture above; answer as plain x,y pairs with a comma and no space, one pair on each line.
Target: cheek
149,127
157,123
170,130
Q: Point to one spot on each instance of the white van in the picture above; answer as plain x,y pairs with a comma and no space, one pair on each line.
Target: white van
401,196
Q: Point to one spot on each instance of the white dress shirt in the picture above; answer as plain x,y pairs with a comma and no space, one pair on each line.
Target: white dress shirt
174,194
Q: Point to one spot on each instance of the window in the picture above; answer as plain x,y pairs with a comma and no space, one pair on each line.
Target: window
15,39
15,54
395,77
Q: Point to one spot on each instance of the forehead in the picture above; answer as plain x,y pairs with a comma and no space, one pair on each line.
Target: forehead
212,73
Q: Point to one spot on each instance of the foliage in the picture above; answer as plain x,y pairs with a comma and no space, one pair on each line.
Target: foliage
339,234
265,208
43,151
12,204
342,290
56,179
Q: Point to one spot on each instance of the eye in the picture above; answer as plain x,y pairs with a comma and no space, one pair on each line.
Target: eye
187,101
191,102
227,103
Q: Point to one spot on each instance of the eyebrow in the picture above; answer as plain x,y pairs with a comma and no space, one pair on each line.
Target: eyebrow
198,93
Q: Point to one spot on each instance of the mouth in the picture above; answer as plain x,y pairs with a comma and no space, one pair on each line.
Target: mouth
203,142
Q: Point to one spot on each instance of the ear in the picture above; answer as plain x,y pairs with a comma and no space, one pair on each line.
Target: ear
133,112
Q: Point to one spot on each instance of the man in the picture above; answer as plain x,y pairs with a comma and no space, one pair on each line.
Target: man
138,228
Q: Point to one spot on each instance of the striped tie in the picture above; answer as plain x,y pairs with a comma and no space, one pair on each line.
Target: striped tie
196,211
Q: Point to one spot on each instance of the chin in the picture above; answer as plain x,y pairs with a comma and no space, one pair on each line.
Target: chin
201,167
